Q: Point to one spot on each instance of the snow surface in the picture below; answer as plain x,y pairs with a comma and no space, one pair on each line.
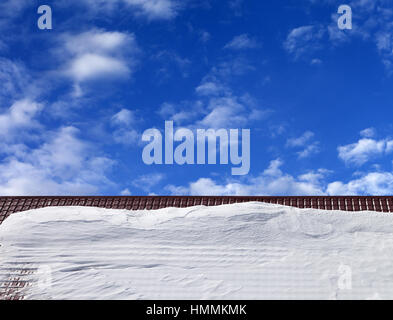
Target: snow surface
240,251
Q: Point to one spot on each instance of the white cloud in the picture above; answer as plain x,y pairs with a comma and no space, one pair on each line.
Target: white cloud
98,54
210,88
14,80
300,141
124,122
97,41
309,150
155,9
225,112
304,141
315,177
368,133
184,113
90,66
19,116
273,181
315,62
64,164
214,112
303,40
337,36
206,186
126,136
146,182
10,9
389,146
235,67
371,22
216,107
125,192
149,9
373,183
364,150
270,182
167,110
240,42
384,42
124,117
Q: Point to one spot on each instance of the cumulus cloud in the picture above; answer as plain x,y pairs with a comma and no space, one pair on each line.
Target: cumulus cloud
373,183
90,66
273,181
98,54
123,123
216,112
63,164
240,42
226,112
19,116
364,150
97,41
216,106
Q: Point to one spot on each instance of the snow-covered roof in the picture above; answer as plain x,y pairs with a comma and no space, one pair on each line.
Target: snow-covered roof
239,251
9,205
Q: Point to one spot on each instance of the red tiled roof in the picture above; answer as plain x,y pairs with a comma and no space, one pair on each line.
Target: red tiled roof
9,205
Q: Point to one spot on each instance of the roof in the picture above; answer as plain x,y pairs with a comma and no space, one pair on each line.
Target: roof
9,205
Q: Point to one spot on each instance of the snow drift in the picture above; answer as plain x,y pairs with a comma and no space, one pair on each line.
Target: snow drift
239,251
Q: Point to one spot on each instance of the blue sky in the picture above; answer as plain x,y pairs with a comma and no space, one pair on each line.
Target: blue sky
75,100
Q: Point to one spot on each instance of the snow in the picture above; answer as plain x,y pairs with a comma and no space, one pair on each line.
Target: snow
240,251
